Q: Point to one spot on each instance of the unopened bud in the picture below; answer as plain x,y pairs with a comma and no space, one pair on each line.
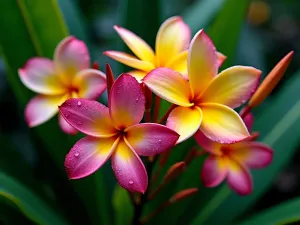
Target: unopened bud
253,136
164,157
270,81
190,156
183,194
173,172
96,66
109,77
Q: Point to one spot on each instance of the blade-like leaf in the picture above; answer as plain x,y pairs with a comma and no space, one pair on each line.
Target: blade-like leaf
225,30
122,206
199,14
31,205
281,132
284,213
35,28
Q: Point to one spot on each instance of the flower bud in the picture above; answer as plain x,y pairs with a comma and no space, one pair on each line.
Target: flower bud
270,81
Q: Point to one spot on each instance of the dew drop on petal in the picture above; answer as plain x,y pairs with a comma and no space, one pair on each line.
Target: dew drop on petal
159,141
130,182
76,154
79,103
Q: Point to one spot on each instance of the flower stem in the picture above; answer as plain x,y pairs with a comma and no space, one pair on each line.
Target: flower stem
164,118
139,207
162,161
155,212
175,198
157,108
148,96
246,110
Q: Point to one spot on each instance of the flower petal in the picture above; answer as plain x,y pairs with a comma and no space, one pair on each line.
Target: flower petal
239,178
129,169
138,74
39,75
137,45
185,121
71,56
91,83
42,108
222,124
221,58
169,85
126,102
65,126
173,37
202,62
179,63
214,171
207,144
88,155
149,139
233,86
252,154
130,60
89,117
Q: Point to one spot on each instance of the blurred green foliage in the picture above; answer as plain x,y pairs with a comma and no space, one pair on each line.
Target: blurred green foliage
33,183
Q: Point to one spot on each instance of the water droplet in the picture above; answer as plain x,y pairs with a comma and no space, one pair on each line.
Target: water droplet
159,141
79,103
66,114
130,182
79,122
136,99
76,154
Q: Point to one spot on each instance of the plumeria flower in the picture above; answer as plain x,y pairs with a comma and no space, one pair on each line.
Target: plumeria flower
205,102
115,132
67,76
232,162
171,45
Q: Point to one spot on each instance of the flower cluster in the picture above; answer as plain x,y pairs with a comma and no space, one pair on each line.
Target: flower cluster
181,71
67,76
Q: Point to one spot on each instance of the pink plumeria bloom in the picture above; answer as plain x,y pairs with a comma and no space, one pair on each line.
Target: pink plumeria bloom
205,102
232,162
115,132
67,76
172,41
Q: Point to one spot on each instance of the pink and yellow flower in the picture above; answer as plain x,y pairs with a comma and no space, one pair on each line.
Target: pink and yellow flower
171,45
67,76
206,100
115,132
232,162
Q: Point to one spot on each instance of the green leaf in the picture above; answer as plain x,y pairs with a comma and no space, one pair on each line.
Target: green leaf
199,14
76,23
44,40
31,205
284,213
225,30
122,206
36,27
281,132
142,19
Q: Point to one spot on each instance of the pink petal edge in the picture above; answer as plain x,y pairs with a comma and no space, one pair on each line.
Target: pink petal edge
149,139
